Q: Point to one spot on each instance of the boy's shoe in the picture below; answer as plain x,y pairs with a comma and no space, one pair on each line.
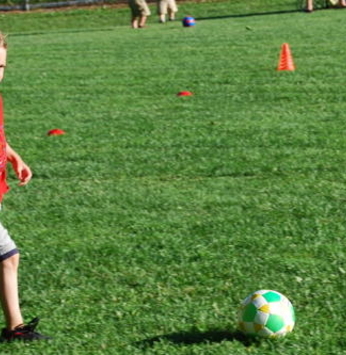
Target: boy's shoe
23,332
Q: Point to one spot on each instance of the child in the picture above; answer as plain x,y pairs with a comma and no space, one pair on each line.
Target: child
165,7
140,12
9,254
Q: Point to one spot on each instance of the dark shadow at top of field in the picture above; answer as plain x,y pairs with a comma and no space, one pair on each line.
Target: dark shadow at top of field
197,337
249,14
61,31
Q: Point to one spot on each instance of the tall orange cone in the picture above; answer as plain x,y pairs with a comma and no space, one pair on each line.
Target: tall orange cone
286,60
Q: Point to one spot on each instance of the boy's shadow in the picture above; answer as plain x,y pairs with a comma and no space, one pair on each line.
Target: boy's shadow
197,337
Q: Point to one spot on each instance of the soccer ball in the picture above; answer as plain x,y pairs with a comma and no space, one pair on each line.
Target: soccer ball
188,21
267,314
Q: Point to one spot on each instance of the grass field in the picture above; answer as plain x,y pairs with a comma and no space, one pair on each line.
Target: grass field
155,215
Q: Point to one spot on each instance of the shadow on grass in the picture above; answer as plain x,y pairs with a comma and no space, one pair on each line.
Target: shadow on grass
67,30
249,14
197,337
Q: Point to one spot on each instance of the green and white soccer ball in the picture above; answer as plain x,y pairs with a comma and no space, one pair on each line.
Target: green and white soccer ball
267,314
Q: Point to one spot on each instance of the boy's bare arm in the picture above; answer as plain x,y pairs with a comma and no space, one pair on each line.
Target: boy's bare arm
22,171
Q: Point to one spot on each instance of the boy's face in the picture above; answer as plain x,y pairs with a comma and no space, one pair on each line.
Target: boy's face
3,55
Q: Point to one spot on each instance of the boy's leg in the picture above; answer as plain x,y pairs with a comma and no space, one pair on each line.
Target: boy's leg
144,12
134,13
309,5
9,262
9,291
142,21
134,22
15,329
162,10
171,15
162,18
172,9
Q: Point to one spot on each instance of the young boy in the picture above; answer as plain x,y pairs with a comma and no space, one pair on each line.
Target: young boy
9,254
140,12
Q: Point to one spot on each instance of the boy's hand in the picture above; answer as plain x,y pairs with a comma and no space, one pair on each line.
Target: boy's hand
23,172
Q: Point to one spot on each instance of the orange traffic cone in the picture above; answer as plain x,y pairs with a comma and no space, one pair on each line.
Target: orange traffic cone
286,60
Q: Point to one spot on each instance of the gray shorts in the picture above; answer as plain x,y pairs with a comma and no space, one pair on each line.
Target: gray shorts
139,8
7,245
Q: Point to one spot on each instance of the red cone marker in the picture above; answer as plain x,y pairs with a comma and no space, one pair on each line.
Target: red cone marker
185,93
56,132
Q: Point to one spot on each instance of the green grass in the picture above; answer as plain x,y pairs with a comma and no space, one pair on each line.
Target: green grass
154,216
107,17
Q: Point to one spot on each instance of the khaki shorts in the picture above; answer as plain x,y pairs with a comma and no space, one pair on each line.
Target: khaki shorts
164,5
139,8
7,245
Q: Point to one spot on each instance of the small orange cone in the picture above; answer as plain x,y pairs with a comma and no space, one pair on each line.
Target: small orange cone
184,93
55,132
286,60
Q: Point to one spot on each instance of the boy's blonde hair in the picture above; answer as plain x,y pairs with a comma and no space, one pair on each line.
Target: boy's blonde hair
3,43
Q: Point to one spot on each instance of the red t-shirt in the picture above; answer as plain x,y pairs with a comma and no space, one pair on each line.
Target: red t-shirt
3,158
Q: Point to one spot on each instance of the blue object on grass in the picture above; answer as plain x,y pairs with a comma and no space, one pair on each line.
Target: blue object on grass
188,21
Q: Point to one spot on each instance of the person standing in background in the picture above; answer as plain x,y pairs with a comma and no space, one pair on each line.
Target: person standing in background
165,7
140,12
